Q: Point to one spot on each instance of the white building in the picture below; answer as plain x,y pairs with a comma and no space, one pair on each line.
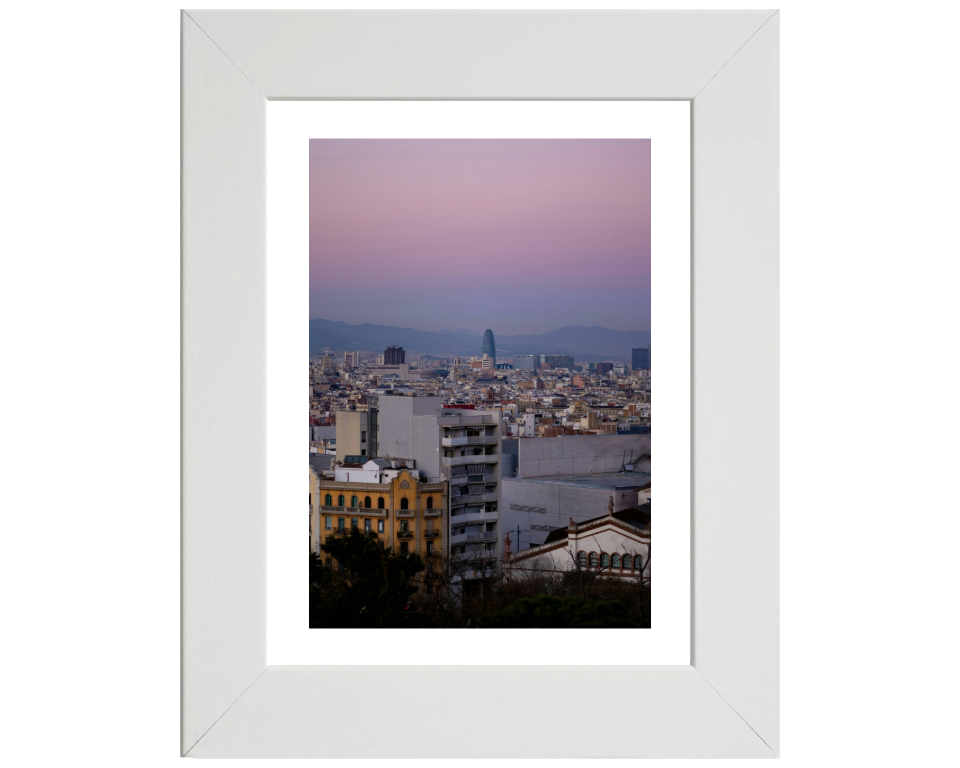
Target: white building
616,545
359,469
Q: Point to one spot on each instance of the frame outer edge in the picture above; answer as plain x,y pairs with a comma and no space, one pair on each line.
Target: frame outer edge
223,392
223,645
479,54
736,398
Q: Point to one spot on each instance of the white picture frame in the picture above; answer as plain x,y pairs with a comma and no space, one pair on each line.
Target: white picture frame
726,703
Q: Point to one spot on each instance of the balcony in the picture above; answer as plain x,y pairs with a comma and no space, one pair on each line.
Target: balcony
473,538
456,461
473,498
405,535
477,420
452,442
486,478
432,534
468,518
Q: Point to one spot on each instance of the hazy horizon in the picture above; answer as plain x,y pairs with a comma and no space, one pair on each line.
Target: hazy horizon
481,331
525,236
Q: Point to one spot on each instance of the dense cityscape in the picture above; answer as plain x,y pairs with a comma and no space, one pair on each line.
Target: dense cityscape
479,490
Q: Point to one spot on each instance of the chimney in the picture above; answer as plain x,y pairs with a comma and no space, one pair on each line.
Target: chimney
506,547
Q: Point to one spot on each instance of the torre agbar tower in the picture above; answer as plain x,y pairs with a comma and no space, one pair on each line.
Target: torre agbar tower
489,348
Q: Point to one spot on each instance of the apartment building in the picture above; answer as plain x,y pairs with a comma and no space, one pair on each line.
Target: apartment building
390,502
461,447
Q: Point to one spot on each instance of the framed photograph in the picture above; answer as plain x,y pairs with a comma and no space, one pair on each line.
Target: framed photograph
473,257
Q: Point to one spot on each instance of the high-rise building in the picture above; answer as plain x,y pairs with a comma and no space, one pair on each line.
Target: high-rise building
641,359
462,447
394,355
604,368
526,362
489,347
351,359
557,361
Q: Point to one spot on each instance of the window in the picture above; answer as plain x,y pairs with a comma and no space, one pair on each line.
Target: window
627,562
354,523
329,500
430,525
363,437
582,559
429,547
403,548
380,503
340,523
353,502
340,500
593,559
366,503
329,563
404,504
638,563
404,526
429,502
379,526
604,560
329,522
615,561
366,525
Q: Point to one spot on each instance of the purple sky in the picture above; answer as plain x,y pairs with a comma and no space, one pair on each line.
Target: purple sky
522,236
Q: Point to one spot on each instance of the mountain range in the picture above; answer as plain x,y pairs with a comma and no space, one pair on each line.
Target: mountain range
585,343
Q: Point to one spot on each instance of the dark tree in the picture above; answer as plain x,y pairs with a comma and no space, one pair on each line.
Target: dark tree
548,612
369,587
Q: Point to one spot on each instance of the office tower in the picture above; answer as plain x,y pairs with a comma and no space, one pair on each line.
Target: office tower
604,368
394,355
526,362
489,347
641,359
557,361
351,359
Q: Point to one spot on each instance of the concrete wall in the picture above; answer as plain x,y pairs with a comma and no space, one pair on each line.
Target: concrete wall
349,425
581,454
408,427
561,502
349,433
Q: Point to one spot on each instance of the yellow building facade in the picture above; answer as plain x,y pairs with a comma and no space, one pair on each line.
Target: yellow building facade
403,513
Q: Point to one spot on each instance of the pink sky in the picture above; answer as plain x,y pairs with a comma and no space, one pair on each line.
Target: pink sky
521,235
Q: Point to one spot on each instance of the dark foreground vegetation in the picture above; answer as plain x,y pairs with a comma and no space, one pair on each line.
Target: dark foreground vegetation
369,586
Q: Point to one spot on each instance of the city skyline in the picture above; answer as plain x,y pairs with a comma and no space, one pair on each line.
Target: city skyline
543,233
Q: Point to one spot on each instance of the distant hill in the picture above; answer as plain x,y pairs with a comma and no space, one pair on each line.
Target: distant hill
586,344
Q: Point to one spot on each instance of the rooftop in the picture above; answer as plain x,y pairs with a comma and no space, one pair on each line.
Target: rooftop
613,481
638,517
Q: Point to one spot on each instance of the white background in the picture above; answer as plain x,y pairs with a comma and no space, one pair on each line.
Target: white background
89,311
290,126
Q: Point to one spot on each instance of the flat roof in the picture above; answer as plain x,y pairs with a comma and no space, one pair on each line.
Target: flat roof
614,481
